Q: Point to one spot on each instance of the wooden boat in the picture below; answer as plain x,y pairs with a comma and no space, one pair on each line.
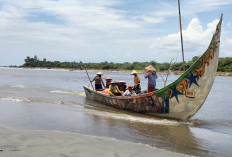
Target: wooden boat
180,99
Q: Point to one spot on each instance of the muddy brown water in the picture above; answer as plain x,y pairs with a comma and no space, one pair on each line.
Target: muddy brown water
34,99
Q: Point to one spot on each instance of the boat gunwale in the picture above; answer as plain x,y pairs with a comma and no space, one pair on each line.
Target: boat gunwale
122,97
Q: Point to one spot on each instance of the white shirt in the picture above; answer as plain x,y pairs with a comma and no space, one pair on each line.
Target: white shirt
129,93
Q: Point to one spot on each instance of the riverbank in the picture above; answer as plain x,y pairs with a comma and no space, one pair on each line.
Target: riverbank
115,70
21,143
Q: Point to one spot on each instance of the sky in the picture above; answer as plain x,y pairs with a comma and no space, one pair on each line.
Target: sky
110,30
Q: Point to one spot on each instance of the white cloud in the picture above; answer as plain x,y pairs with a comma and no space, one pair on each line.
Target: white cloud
95,31
86,25
229,25
204,5
149,19
190,7
196,41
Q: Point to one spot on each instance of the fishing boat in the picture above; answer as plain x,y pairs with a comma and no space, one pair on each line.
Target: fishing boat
179,100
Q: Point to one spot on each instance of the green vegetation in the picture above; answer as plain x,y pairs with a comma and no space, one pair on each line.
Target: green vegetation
224,65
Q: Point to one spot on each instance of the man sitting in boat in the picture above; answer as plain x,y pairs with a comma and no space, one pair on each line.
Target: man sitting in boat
137,80
108,82
151,75
129,91
98,82
122,86
113,89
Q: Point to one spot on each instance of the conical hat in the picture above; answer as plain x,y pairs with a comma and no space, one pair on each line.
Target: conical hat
150,68
113,82
108,78
134,72
121,82
99,73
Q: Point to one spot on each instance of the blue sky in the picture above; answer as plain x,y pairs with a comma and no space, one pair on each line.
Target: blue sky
110,30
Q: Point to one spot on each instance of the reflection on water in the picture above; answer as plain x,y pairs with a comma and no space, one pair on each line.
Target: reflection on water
54,100
175,137
166,134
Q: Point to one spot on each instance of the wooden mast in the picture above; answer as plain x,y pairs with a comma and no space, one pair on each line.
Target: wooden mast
182,48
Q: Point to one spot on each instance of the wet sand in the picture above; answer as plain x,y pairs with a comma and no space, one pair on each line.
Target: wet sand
21,143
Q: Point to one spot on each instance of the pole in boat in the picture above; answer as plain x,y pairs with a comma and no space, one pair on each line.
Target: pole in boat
89,78
181,36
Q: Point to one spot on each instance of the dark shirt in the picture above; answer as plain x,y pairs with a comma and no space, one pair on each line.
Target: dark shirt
122,87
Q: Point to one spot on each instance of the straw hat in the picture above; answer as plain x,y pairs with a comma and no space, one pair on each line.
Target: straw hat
114,82
108,78
150,68
122,82
99,73
134,72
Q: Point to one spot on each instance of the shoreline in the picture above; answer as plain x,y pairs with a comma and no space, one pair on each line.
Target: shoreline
114,70
37,143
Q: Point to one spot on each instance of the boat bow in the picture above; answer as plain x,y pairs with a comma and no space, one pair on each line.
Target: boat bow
186,95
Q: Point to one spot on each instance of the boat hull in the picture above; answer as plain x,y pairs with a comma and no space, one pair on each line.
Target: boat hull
180,99
146,103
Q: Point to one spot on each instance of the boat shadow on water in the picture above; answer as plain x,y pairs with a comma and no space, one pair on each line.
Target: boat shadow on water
162,133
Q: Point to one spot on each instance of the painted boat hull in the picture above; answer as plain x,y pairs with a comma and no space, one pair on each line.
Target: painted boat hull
180,99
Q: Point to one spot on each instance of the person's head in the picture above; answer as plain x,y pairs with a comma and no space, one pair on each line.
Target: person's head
150,68
130,88
108,79
99,74
134,73
121,82
113,83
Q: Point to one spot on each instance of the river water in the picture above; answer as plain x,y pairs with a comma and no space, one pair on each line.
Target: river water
34,99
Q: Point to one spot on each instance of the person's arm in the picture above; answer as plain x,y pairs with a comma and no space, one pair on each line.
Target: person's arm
126,93
119,90
146,75
156,76
93,79
103,83
138,81
110,91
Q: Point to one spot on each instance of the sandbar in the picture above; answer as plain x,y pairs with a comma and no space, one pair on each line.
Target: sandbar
38,143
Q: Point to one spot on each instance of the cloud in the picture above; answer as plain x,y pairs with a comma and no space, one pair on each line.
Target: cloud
196,41
204,5
30,27
97,30
149,19
190,7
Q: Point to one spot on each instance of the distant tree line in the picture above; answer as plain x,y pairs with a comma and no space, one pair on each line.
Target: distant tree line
224,65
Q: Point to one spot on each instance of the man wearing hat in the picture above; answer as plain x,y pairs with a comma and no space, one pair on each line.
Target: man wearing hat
113,89
108,82
98,81
137,80
151,75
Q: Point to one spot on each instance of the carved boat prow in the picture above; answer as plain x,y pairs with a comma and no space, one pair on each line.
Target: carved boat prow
180,99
